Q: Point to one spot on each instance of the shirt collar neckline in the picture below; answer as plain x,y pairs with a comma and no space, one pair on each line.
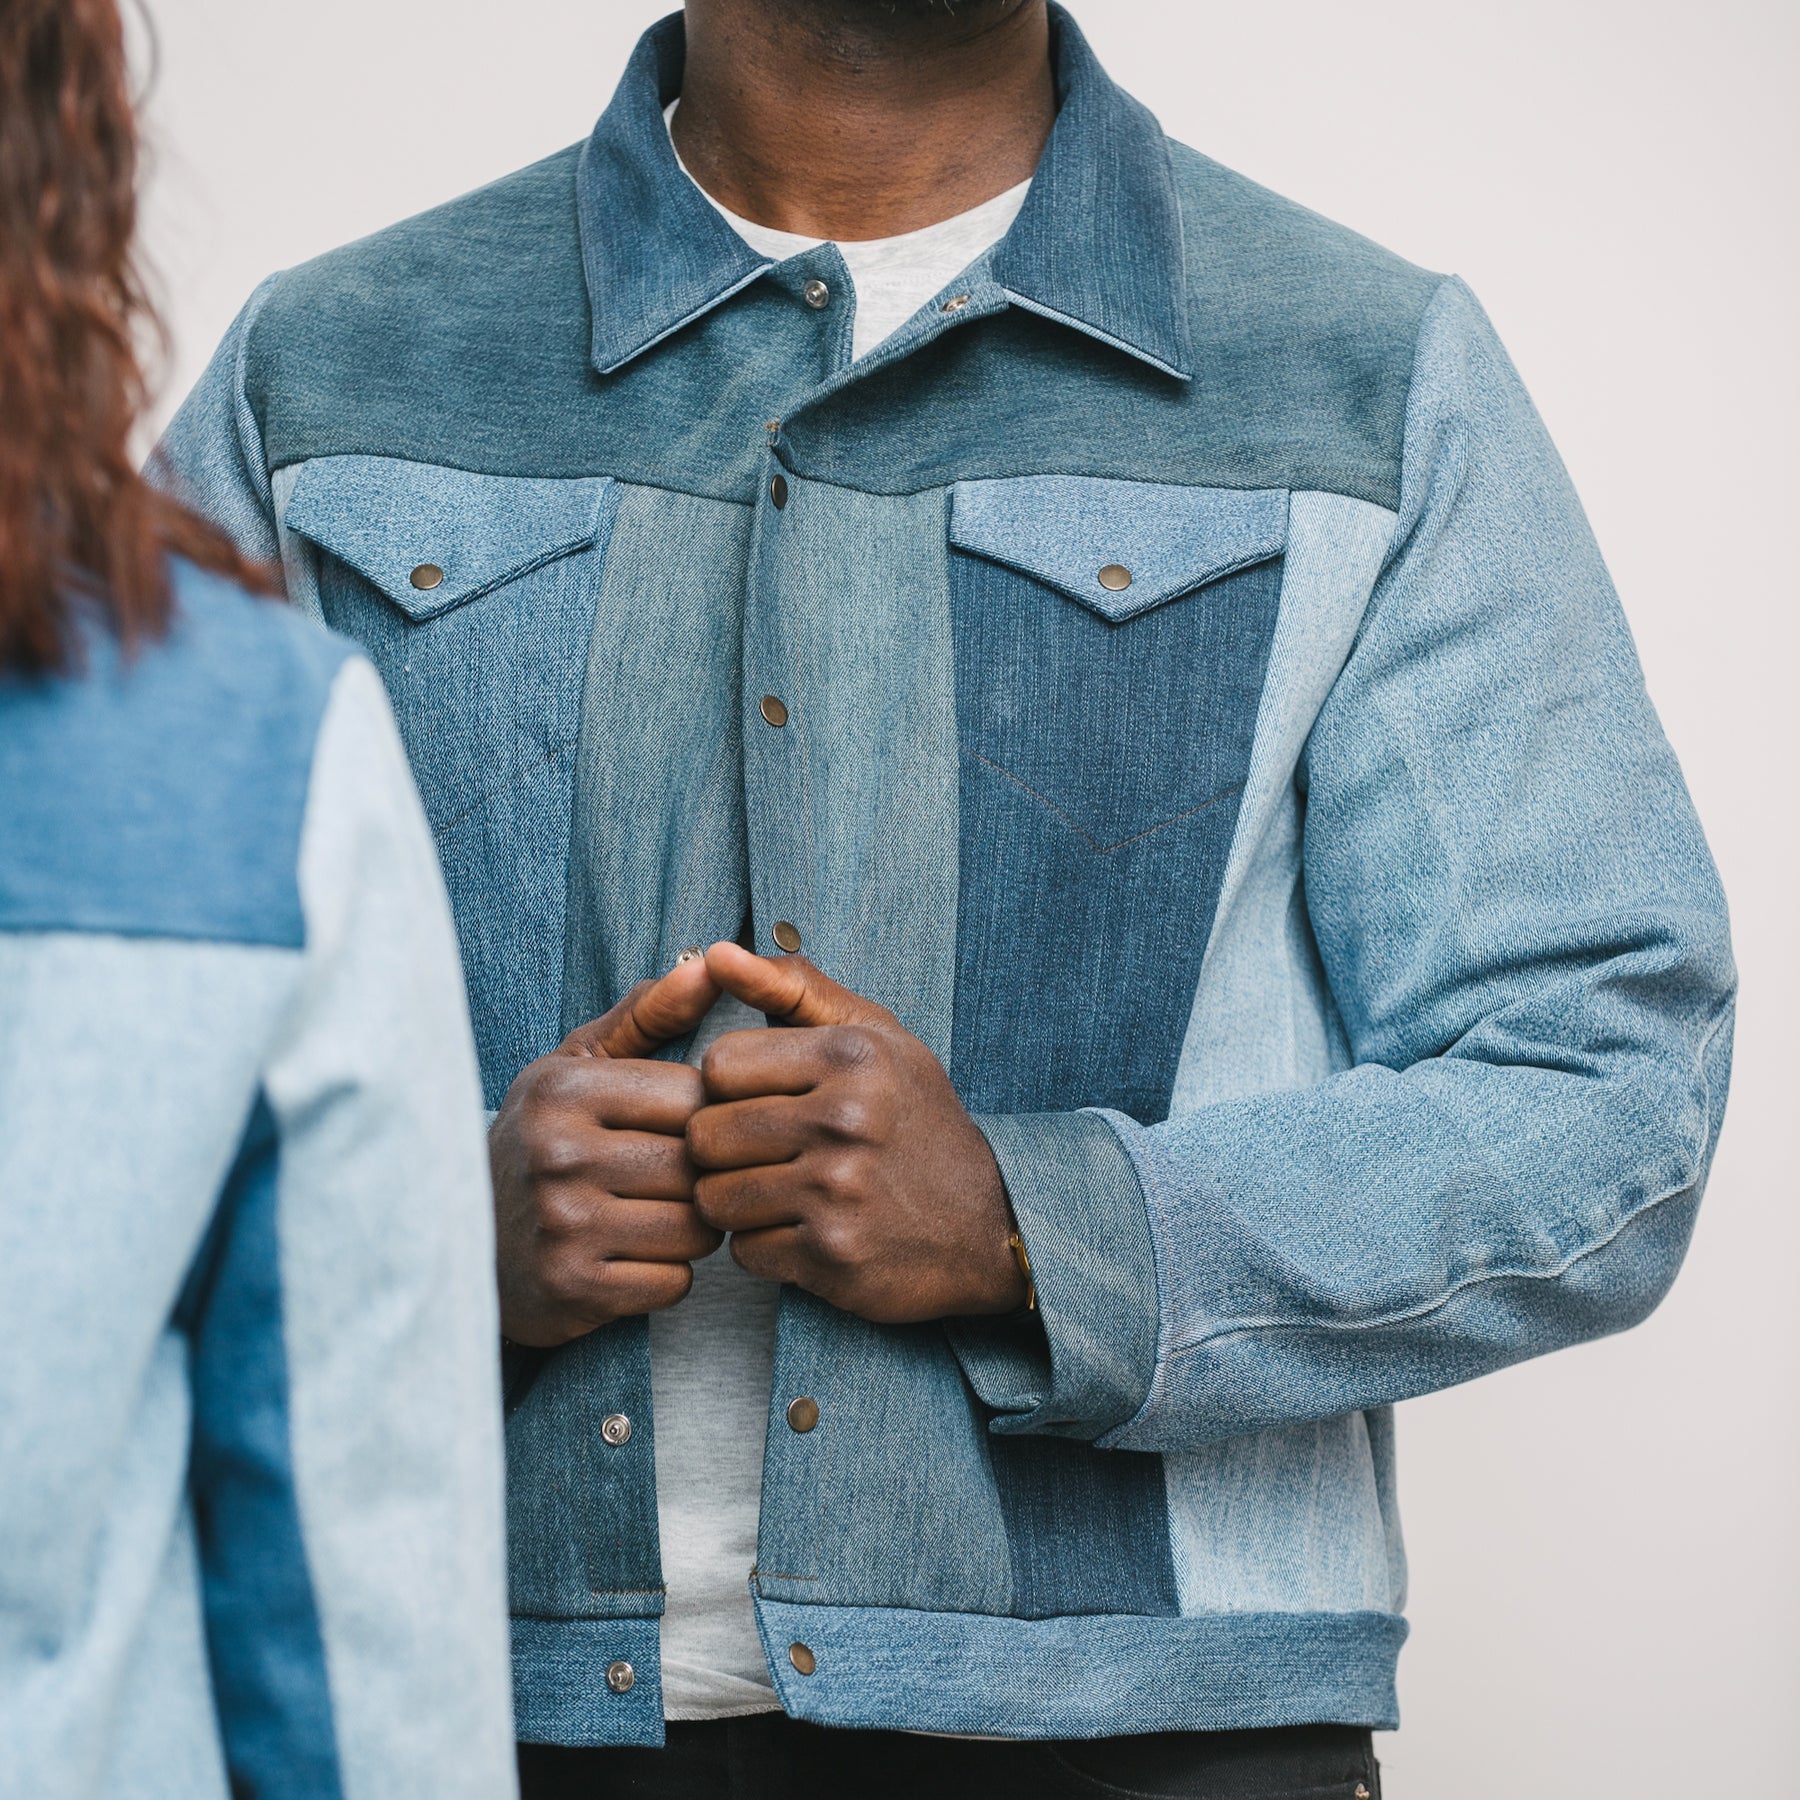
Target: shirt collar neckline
1096,246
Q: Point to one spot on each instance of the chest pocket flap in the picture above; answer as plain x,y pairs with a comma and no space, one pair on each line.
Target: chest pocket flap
1118,547
431,538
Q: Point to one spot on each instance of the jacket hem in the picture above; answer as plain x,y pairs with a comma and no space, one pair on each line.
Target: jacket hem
560,1690
1102,1675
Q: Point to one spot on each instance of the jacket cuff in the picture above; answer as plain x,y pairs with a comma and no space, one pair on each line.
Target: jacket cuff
1083,1363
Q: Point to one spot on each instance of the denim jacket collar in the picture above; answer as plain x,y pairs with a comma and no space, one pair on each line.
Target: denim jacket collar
1097,245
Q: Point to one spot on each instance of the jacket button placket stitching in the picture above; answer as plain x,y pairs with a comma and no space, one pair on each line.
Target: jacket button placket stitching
774,774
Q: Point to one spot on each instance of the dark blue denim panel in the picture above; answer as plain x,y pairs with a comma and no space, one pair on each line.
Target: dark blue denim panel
263,1633
580,1512
1108,760
163,794
488,697
1089,1529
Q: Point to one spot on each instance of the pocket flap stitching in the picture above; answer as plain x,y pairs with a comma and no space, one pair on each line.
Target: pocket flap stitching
390,519
1118,547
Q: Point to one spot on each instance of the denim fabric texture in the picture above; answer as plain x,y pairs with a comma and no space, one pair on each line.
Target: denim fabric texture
250,1481
497,775
178,743
1315,919
262,1623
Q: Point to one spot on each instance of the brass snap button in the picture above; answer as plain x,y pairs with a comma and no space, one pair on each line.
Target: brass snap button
787,935
1115,577
621,1677
427,576
802,1658
803,1414
778,491
773,712
616,1429
816,294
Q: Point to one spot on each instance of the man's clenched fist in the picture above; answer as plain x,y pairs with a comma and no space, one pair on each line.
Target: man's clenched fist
593,1188
839,1157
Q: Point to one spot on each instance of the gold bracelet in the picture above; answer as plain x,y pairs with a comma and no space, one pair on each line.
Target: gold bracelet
1020,1256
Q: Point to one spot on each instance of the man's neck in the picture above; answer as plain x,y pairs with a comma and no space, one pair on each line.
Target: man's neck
854,119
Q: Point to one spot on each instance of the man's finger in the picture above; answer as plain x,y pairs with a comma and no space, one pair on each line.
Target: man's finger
775,1255
748,1199
645,1165
652,1014
657,1231
627,1288
789,990
744,1133
743,1065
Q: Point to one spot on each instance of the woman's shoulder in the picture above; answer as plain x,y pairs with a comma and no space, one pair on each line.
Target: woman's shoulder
161,791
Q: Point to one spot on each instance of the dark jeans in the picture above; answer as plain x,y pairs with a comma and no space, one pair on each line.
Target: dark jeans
771,1757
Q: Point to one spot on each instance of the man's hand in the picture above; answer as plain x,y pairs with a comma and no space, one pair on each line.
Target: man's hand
593,1190
839,1157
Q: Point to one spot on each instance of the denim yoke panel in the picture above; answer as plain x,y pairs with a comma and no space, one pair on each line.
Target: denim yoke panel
474,595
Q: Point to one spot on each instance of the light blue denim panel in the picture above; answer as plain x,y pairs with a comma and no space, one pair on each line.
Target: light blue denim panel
1093,1675
1066,529
1288,1520
658,859
145,1053
1263,1016
1315,1536
387,1261
856,1512
1525,940
157,1740
485,669
853,802
853,833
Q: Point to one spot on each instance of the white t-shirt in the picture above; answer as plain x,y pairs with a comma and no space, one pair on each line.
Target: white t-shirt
712,1358
893,276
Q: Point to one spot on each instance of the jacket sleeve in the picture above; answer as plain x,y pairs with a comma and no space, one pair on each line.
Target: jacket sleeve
347,1463
211,456
1526,943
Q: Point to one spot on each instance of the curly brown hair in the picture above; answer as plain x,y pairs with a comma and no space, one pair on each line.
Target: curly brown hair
80,528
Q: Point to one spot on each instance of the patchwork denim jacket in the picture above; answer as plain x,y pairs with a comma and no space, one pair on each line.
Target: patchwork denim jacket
1208,724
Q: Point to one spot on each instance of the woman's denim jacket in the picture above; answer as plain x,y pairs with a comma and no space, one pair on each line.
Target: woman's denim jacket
1209,725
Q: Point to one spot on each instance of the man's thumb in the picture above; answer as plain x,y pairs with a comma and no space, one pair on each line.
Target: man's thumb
650,1015
790,990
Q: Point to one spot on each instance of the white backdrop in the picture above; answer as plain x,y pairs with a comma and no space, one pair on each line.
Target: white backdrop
1603,1544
